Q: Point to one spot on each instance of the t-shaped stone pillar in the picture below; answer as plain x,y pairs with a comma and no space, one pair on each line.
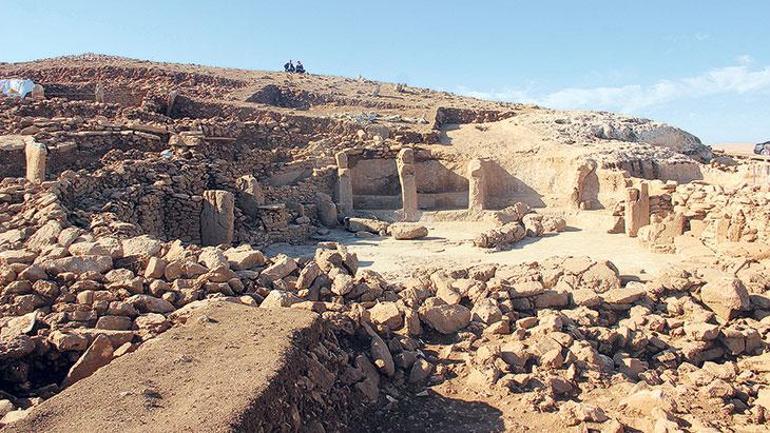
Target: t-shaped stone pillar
406,175
217,217
344,184
637,214
477,188
36,155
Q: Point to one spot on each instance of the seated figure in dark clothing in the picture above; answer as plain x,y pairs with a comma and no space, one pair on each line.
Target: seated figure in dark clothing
299,69
289,67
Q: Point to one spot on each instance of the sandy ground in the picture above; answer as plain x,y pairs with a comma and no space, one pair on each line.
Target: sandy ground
177,383
449,244
742,148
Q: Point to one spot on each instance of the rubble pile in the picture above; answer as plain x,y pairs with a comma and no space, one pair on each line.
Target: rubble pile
152,191
516,223
718,214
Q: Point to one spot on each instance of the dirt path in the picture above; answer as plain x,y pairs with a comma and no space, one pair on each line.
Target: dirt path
450,244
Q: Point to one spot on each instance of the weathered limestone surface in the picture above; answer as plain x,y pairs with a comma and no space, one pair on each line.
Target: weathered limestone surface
327,210
36,155
476,185
406,175
637,209
191,366
217,217
250,195
345,184
582,192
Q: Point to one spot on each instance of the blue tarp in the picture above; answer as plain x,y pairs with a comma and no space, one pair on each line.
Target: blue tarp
16,87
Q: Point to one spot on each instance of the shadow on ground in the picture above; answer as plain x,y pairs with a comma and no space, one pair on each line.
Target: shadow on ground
434,412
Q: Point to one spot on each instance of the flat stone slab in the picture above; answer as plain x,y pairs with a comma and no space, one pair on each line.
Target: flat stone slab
216,373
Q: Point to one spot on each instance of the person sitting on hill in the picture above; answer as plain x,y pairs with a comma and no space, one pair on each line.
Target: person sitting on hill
289,67
299,69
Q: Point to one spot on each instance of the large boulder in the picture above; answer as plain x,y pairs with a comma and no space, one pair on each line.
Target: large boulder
725,297
386,314
446,319
327,210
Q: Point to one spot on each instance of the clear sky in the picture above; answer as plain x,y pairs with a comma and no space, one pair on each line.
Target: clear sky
703,65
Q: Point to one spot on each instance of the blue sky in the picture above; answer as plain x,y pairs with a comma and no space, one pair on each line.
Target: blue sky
701,65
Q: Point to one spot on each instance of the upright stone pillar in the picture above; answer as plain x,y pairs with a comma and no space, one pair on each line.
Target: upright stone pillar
406,175
99,93
217,217
36,155
477,188
250,195
38,92
344,184
644,203
637,214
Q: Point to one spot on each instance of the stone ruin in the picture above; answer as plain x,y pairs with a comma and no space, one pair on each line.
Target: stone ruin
136,203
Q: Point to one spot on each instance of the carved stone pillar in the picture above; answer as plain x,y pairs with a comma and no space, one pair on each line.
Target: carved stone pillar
344,184
217,217
407,177
477,188
36,155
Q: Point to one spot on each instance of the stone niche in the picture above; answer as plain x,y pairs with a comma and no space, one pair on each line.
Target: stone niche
441,184
376,184
409,181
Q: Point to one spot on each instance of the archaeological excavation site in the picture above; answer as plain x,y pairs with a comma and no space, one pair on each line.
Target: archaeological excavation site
199,249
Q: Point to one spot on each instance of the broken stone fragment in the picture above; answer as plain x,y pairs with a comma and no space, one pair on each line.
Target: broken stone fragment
281,267
367,225
68,341
155,268
150,304
244,257
18,326
386,315
407,231
279,299
421,371
380,353
95,357
78,265
327,210
446,319
250,195
141,246
725,297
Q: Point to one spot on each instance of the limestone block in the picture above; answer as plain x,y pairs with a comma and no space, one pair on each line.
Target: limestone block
250,195
406,175
637,213
344,184
36,155
476,185
217,217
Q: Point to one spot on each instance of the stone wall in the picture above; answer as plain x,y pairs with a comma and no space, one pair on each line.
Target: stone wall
450,115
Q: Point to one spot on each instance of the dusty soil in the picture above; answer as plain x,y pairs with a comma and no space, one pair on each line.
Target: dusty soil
449,244
177,382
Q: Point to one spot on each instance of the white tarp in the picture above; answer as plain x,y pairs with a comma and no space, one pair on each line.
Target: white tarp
16,87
